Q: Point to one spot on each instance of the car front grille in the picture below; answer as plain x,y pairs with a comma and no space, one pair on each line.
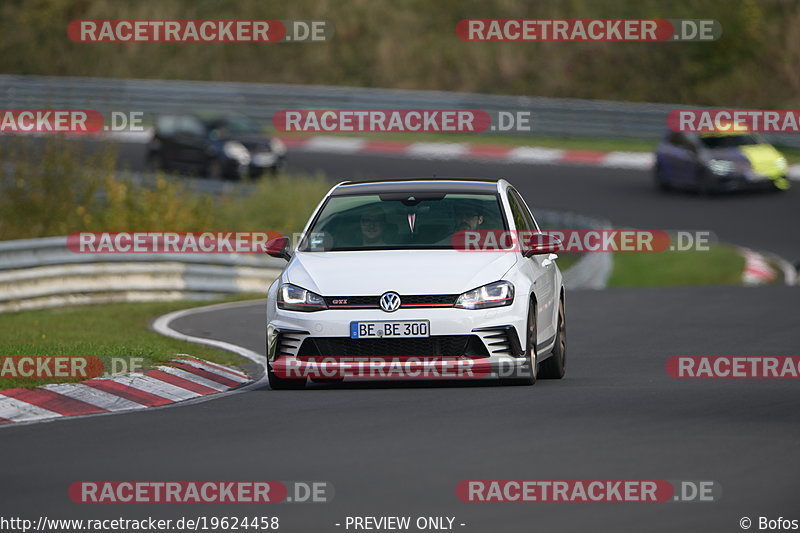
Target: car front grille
407,301
423,347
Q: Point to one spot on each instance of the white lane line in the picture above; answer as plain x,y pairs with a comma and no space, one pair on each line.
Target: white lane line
217,371
335,144
92,396
162,326
131,136
19,411
642,160
525,154
156,386
193,378
438,150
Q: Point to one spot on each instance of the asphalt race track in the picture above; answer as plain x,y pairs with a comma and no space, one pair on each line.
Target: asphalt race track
400,449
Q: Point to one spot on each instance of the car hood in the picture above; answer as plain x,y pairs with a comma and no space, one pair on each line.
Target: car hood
367,273
764,159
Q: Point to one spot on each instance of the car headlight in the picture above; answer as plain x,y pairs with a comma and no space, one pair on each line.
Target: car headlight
721,167
236,150
495,294
781,164
294,298
277,146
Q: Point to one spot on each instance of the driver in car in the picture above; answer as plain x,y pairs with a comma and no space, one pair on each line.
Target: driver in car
468,216
373,223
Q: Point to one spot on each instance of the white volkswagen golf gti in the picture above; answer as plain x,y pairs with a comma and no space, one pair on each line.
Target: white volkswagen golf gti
382,285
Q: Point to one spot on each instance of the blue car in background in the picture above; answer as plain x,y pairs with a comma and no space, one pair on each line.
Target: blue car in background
711,163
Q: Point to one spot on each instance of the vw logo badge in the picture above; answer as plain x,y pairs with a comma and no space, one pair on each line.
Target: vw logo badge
390,301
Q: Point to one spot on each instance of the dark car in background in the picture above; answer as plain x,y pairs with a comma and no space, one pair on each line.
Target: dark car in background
220,146
716,162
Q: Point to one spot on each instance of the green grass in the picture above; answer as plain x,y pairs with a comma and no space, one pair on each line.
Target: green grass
721,265
105,331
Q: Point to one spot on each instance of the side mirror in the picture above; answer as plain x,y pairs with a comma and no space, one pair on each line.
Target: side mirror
278,247
542,243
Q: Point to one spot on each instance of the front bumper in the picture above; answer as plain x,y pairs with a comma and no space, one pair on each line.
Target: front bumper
462,343
259,163
750,181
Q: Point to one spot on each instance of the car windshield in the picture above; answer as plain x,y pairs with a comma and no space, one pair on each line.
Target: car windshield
400,221
234,126
728,141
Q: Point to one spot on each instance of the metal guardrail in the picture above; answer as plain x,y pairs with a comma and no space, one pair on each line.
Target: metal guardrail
593,269
551,116
41,273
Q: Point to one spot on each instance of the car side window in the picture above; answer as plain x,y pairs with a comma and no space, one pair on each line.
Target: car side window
682,141
518,212
526,213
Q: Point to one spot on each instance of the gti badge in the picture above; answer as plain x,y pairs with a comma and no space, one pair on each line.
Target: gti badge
390,301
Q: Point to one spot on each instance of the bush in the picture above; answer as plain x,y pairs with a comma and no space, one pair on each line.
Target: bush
51,186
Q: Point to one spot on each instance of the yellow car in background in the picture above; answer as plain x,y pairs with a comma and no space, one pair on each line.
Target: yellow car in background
716,162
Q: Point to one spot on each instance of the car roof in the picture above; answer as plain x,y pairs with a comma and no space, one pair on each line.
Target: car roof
450,185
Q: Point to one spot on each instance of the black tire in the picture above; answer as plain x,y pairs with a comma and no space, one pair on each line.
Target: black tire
555,366
662,184
526,375
278,383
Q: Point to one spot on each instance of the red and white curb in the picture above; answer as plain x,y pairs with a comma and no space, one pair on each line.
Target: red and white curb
442,150
484,152
493,152
757,270
185,378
